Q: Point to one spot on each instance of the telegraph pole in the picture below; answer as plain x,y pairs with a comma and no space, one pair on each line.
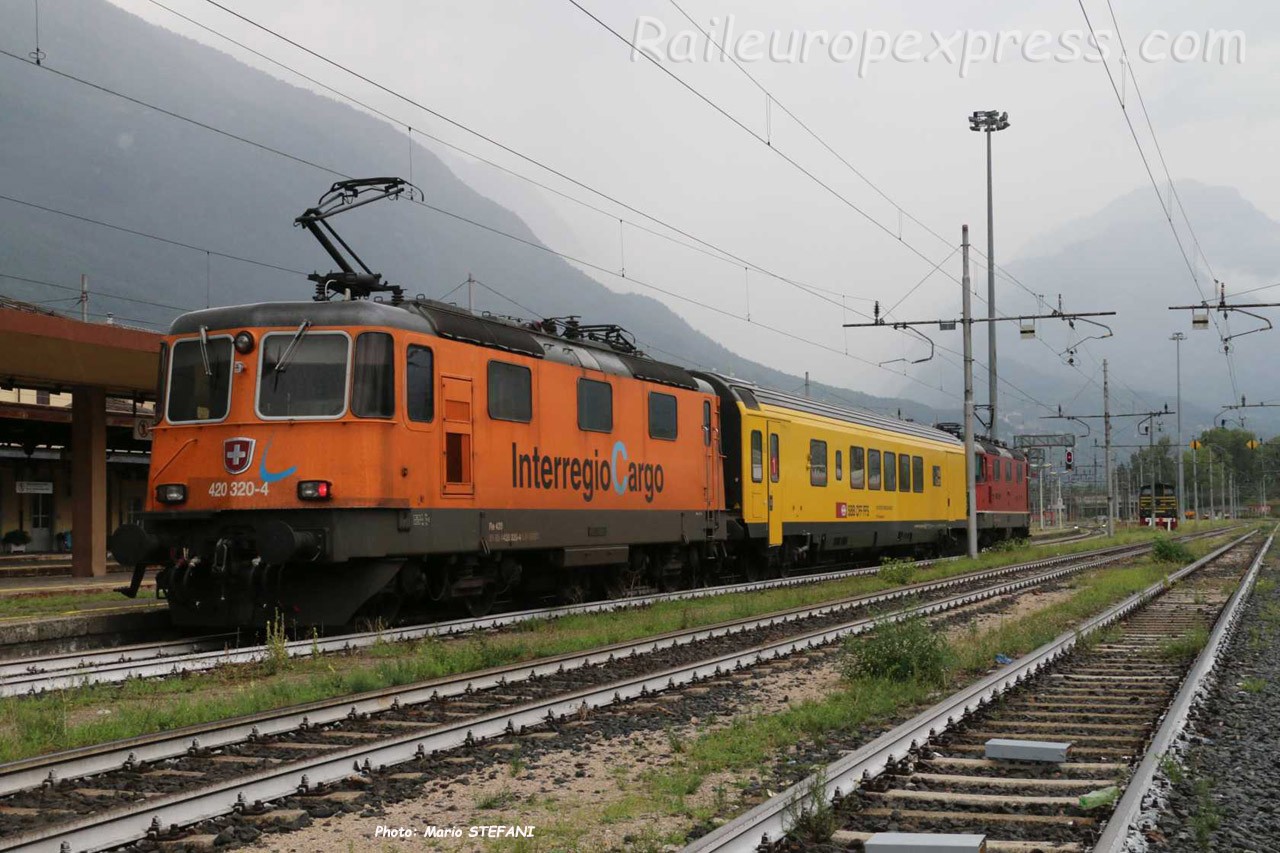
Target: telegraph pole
84,298
970,475
1106,431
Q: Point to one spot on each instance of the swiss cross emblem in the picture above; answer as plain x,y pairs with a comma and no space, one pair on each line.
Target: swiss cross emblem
237,454
842,510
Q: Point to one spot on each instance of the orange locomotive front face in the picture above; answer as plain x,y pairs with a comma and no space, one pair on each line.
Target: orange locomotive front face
360,436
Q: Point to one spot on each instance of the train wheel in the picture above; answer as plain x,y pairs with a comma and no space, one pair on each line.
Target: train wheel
482,604
625,579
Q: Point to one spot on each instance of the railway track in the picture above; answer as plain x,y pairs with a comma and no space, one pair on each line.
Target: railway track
1103,689
27,675
113,794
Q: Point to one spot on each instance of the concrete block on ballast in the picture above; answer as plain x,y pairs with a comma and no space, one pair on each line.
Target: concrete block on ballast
1007,749
924,842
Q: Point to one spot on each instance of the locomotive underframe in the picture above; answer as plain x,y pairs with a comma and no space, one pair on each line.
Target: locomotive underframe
327,566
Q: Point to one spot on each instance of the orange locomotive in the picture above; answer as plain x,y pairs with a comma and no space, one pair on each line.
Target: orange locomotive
373,454
341,458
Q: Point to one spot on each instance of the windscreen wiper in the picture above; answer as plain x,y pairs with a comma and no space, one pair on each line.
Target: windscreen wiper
293,345
204,350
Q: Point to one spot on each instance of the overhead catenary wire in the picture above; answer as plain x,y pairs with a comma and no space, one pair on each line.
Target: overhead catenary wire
332,171
1195,278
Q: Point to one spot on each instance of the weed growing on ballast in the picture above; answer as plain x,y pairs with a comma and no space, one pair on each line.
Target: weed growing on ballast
1166,550
907,650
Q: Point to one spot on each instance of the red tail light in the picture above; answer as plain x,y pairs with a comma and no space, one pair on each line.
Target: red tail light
315,490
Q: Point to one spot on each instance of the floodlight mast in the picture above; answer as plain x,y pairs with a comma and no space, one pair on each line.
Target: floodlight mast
989,122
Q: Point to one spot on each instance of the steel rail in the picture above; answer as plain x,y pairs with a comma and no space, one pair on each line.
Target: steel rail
119,664
133,822
1129,809
17,672
769,819
31,772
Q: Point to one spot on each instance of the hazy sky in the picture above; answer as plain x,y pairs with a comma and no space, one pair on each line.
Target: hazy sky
547,80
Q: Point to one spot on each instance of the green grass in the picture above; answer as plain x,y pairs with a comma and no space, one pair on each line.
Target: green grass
68,719
864,700
57,604
1253,685
1186,646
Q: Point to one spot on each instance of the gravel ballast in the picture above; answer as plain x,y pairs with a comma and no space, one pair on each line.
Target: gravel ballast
1226,794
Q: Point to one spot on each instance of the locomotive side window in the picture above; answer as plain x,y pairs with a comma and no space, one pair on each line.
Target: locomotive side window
917,473
303,377
510,392
774,466
420,384
663,422
995,470
197,394
757,456
1018,467
373,387
1008,471
857,468
937,475
890,471
979,469
873,469
706,423
839,465
817,463
595,406
904,472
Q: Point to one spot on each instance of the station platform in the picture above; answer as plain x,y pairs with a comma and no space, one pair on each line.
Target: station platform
51,575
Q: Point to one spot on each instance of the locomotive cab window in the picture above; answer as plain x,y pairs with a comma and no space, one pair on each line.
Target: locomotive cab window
663,422
995,470
303,375
373,385
420,384
197,394
706,423
873,469
857,468
595,406
817,463
917,473
979,468
757,456
904,472
839,465
510,392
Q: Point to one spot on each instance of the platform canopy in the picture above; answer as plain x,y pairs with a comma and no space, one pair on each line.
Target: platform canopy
45,351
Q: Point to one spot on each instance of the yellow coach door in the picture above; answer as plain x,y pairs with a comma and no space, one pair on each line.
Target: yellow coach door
773,480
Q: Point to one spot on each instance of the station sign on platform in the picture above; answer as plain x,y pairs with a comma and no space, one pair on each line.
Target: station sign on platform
33,487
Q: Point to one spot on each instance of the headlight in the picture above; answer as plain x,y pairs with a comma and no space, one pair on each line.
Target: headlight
171,493
244,343
315,490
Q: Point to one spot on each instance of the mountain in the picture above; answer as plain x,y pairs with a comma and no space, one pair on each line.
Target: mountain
79,149
1124,258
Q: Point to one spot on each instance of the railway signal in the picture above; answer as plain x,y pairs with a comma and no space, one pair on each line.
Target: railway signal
1070,460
